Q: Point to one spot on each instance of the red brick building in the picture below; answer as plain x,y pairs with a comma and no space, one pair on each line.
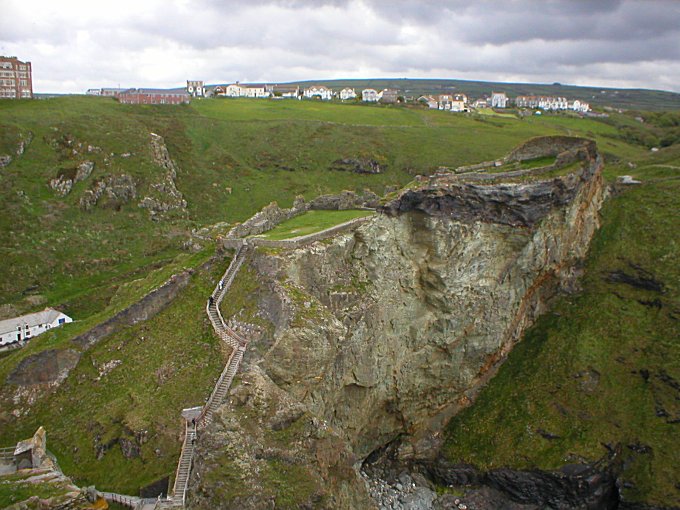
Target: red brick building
153,96
16,79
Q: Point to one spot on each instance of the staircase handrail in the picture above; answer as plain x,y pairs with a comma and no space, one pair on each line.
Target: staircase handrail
186,483
211,398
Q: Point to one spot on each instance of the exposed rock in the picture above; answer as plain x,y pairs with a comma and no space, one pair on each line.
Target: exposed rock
358,165
64,182
8,311
5,159
346,200
117,189
51,366
391,329
264,450
143,310
166,197
270,216
129,448
84,170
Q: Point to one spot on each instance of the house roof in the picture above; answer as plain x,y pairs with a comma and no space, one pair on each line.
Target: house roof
317,87
48,315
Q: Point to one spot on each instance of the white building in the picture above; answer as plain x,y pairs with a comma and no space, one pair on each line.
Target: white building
195,88
320,91
28,326
499,100
579,106
246,90
347,93
370,95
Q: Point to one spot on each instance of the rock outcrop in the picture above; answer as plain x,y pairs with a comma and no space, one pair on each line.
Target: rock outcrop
165,196
63,183
117,189
388,331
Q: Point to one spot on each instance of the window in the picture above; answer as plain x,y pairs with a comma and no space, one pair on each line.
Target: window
61,321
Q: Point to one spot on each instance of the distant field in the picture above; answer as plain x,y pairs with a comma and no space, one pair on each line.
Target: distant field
311,222
632,99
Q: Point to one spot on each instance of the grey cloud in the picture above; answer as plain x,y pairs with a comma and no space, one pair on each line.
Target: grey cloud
279,40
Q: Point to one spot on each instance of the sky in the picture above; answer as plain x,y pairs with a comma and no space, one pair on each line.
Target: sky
76,44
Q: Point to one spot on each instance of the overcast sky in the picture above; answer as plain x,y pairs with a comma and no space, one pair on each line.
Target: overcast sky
74,45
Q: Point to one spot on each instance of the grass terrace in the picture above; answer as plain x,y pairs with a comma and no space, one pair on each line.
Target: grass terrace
312,222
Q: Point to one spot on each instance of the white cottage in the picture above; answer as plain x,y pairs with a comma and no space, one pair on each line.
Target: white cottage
347,93
370,95
30,325
499,100
320,91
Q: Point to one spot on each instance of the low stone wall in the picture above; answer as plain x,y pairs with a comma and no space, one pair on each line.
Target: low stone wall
544,146
142,310
297,242
268,218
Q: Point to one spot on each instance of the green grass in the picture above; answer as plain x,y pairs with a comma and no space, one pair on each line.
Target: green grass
169,362
13,490
234,158
311,222
610,329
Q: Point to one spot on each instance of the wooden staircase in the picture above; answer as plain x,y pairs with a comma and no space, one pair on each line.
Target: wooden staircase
179,489
238,345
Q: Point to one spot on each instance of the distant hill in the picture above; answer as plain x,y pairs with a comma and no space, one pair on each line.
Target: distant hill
629,99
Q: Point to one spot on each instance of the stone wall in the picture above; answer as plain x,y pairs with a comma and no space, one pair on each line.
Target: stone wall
268,218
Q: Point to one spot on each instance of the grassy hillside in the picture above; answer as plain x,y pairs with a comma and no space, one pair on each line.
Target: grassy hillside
602,369
630,99
234,156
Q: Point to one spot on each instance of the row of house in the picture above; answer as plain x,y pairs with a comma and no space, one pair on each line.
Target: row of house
264,90
25,327
454,102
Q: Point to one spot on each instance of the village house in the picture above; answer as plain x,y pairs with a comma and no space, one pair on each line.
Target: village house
94,92
347,93
482,102
286,91
579,106
154,96
318,91
444,101
28,326
459,103
195,88
111,92
370,95
389,96
548,103
256,90
499,100
430,101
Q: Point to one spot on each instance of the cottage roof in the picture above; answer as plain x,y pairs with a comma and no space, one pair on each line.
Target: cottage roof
47,316
318,87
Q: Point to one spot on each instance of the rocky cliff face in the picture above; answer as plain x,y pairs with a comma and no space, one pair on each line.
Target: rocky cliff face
388,331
